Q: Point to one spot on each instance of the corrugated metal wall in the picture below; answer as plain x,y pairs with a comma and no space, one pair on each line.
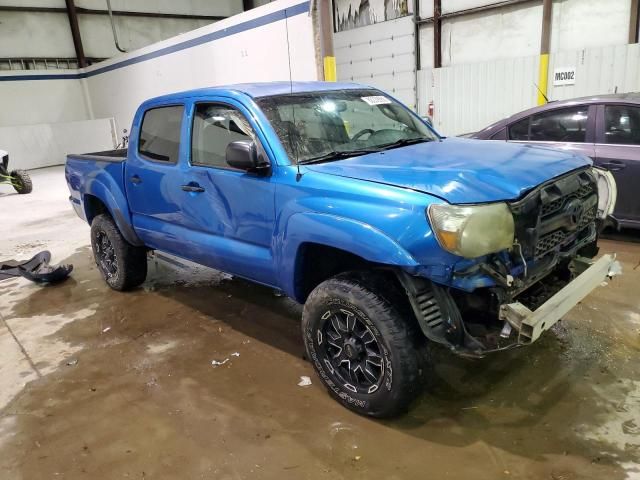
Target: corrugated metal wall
380,55
469,97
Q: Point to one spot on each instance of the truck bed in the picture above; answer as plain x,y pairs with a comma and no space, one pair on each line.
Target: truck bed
98,175
117,156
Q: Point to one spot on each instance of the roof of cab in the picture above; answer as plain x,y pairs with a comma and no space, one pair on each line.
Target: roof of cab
261,89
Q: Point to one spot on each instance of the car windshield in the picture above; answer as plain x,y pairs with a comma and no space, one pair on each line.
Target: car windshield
329,125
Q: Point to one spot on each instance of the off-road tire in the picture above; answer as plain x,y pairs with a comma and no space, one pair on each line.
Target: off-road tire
130,261
367,296
21,181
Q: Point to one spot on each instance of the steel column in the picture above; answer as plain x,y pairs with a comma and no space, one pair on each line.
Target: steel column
437,33
633,21
75,33
416,33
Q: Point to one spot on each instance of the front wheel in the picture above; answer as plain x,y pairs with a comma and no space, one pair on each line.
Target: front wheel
363,349
21,181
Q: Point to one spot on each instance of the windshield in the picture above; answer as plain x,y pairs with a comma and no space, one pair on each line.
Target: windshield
327,125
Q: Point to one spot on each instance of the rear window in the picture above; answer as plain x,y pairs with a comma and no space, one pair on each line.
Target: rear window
160,134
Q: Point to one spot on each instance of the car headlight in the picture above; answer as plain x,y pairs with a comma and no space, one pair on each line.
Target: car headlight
474,230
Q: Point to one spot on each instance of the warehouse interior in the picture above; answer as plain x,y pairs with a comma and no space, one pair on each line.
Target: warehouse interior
206,367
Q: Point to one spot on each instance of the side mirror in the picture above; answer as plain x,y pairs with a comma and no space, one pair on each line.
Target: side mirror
243,155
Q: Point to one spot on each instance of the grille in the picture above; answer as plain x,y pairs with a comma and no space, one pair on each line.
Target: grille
549,242
552,240
587,218
557,204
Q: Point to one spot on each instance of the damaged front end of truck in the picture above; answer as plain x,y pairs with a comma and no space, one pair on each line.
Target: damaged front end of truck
508,299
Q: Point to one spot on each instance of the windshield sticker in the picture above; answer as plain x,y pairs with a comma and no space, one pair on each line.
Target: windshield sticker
376,100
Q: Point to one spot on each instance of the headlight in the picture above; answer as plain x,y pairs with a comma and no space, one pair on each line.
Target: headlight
472,231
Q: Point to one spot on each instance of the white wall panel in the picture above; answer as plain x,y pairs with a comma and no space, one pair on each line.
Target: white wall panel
450,6
36,146
580,24
35,35
133,32
426,9
426,45
42,101
380,55
512,31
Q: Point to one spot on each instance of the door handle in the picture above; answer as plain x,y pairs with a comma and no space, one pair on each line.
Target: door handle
192,188
614,165
135,179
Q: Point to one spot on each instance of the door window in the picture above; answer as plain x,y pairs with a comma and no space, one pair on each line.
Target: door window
160,134
566,125
215,127
622,125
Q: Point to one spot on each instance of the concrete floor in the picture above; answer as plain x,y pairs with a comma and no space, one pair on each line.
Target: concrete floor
100,384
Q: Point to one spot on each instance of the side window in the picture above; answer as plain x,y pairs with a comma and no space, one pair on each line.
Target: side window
160,134
215,127
520,130
622,125
565,125
500,134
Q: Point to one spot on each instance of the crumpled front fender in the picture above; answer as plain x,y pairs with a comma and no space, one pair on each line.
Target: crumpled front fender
338,232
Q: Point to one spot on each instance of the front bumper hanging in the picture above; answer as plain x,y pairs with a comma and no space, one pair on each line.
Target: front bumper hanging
530,324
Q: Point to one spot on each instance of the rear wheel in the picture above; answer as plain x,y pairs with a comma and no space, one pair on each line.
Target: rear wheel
122,265
364,350
21,181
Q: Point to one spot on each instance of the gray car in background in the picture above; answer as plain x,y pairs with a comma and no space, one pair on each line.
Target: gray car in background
605,128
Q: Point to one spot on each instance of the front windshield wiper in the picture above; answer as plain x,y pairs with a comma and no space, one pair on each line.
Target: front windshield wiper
337,155
342,154
403,142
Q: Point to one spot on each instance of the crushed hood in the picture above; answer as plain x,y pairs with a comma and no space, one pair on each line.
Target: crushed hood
460,170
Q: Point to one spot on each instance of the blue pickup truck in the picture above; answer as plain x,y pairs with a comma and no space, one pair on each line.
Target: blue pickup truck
341,197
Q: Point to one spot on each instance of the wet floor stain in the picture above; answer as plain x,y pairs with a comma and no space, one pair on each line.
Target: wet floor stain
127,389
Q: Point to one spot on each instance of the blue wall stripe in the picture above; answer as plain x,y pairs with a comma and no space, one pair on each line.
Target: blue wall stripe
194,42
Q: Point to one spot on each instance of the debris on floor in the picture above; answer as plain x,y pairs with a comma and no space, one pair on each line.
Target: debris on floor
36,269
217,363
304,381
